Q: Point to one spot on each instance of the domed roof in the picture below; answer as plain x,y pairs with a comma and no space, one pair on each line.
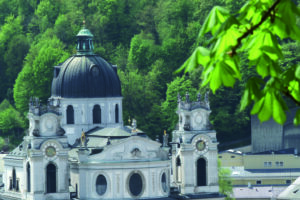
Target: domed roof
85,74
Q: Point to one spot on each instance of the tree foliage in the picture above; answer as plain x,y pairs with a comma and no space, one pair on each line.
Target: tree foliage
148,40
225,185
256,30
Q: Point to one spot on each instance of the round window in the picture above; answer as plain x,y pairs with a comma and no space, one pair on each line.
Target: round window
101,184
164,182
135,184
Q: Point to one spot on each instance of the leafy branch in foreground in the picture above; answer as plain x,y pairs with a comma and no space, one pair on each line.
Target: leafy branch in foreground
257,30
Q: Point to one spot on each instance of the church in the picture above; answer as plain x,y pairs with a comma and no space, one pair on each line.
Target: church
78,148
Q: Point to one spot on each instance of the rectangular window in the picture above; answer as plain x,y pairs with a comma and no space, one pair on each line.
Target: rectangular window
281,164
288,181
265,164
270,164
232,156
277,164
220,156
258,182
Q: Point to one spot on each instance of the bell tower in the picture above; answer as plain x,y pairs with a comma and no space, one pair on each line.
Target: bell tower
194,148
47,159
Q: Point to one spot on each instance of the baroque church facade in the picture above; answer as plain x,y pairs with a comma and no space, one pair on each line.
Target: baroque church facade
78,148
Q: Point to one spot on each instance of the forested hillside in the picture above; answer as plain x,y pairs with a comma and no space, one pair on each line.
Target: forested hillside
147,39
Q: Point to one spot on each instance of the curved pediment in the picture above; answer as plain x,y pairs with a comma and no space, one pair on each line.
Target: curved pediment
134,148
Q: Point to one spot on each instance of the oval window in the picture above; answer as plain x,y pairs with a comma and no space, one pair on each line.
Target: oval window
101,184
164,182
135,184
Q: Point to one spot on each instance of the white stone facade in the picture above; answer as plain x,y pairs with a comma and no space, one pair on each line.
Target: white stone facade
83,114
117,163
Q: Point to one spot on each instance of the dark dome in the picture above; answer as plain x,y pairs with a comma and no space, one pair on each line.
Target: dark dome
84,76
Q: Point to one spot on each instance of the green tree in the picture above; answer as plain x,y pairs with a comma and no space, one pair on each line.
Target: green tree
257,31
36,76
225,185
179,85
11,121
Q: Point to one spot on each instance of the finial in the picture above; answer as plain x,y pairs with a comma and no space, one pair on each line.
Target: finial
206,96
199,97
83,23
165,132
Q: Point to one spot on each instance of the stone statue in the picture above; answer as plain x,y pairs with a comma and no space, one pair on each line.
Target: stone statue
178,98
207,100
187,97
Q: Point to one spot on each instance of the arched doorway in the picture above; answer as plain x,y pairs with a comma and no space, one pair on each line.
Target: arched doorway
201,172
51,178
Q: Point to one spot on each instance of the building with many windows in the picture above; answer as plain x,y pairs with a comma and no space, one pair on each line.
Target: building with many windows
78,148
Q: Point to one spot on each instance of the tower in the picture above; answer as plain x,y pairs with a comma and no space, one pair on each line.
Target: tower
38,168
194,148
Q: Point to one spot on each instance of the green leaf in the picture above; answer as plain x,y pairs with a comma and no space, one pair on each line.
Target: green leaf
278,109
297,72
199,57
257,106
214,20
266,110
297,118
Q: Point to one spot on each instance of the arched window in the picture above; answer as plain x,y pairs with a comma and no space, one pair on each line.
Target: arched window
201,172
70,115
117,113
14,179
164,182
28,177
51,178
97,114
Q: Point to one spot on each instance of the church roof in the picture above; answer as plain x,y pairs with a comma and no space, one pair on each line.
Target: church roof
110,132
85,75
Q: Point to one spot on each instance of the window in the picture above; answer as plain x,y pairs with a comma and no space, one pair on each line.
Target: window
14,179
220,156
277,164
258,182
135,184
101,185
28,177
96,114
232,156
117,113
288,181
267,164
70,115
164,182
281,164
